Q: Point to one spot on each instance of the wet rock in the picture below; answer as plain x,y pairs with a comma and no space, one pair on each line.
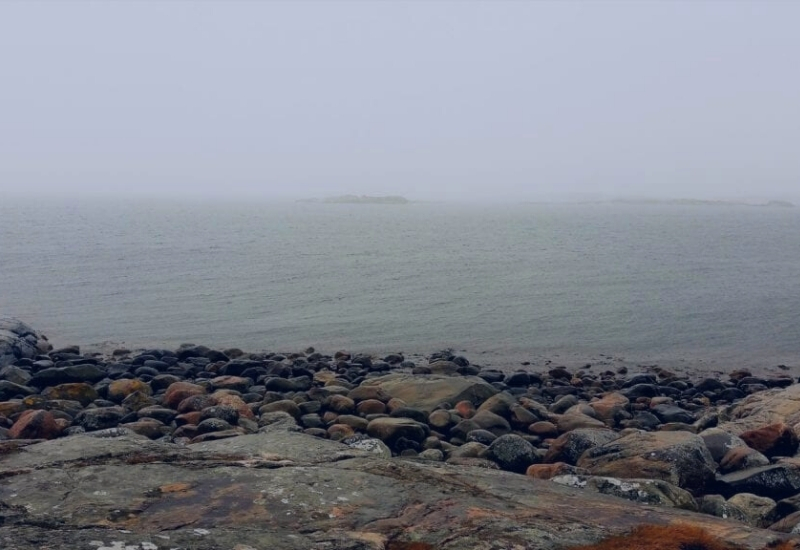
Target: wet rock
679,458
776,481
512,453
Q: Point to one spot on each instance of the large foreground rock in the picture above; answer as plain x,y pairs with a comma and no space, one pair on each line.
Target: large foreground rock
426,392
19,341
283,490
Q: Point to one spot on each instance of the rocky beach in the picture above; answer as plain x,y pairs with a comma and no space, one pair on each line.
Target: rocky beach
197,447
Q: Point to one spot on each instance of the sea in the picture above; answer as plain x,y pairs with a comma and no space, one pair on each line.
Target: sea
707,285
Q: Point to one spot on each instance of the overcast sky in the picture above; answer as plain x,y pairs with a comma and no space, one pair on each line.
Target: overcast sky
422,99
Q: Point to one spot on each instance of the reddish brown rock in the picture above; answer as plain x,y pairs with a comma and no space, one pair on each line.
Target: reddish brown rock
773,440
549,471
543,429
371,406
35,425
607,407
237,383
465,409
179,391
192,417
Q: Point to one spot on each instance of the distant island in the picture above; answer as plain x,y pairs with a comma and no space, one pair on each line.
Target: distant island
360,199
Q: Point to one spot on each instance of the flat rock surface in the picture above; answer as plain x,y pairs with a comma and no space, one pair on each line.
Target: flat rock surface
283,490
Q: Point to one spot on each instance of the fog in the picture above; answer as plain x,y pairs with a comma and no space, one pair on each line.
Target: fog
432,101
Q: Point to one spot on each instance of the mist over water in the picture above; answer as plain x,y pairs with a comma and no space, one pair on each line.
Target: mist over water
695,282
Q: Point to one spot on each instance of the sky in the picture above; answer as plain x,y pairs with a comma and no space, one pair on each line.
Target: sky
429,100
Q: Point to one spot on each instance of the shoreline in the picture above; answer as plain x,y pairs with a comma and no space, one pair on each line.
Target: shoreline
650,435
693,365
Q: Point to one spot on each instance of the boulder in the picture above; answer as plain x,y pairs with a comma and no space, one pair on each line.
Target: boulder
492,422
759,510
75,391
574,420
570,446
20,341
775,406
178,391
428,391
512,453
719,442
742,458
118,390
100,418
608,407
773,440
680,458
775,481
35,424
391,430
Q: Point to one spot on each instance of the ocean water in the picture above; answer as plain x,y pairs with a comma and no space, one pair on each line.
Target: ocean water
719,284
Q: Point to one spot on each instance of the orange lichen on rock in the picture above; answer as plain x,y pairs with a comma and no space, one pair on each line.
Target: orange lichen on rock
670,537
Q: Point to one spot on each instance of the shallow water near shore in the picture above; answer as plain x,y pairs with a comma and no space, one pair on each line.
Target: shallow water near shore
704,286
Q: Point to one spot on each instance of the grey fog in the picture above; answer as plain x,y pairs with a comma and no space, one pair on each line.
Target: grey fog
428,100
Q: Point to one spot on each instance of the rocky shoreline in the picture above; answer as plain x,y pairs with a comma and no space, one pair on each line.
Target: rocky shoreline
703,448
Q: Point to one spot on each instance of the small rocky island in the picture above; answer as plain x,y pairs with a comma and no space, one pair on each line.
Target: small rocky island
360,199
203,448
